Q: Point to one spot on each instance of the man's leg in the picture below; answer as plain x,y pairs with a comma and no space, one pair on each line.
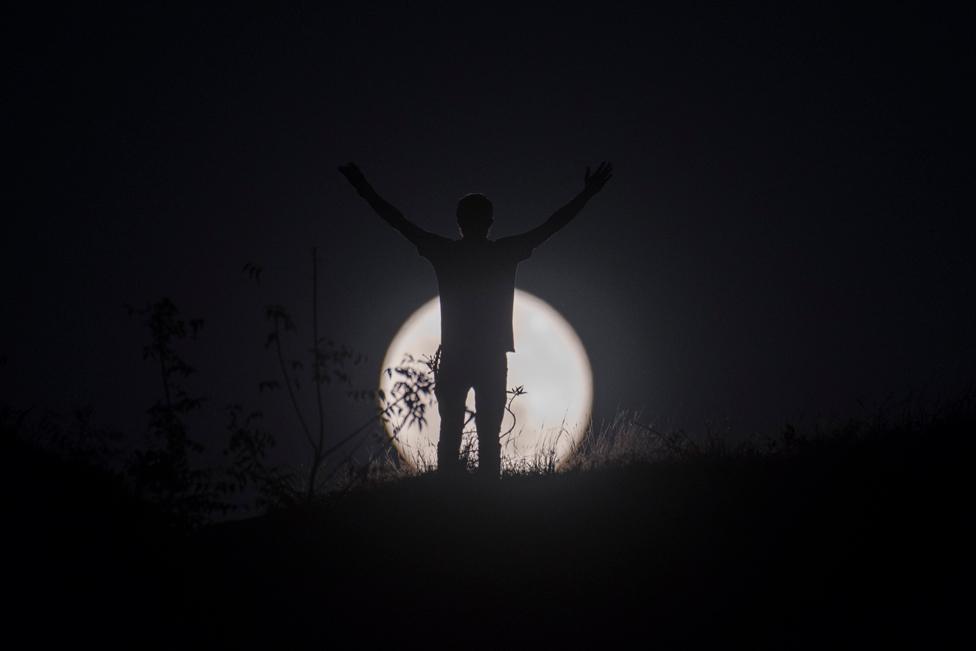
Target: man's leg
451,392
490,400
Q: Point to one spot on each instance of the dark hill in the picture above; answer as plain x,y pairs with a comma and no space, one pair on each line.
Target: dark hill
845,541
841,542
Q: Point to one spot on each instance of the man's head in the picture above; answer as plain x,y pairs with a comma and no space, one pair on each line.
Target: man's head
474,216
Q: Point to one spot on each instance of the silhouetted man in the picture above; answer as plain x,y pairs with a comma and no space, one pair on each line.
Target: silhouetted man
476,279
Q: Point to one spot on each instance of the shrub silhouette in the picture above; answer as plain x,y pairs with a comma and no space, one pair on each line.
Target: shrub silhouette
167,472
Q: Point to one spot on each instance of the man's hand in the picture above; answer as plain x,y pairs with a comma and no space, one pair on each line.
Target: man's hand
354,175
593,183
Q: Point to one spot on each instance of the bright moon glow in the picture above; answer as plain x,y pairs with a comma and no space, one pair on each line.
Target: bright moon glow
550,363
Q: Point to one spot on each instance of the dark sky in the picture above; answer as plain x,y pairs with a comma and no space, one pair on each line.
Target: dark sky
789,229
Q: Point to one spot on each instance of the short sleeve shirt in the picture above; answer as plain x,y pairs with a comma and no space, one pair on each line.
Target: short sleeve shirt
476,281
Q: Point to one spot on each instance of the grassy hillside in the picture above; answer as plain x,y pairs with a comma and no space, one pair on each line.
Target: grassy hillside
851,539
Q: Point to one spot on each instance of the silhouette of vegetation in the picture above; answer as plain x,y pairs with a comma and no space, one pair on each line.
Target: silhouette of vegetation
168,471
413,391
77,437
327,361
172,470
248,449
330,364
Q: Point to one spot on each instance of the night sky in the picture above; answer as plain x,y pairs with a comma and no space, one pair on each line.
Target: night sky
789,229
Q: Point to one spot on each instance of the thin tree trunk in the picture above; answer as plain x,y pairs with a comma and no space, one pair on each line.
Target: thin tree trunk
317,361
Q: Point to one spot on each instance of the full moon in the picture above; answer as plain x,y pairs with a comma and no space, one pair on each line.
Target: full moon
550,365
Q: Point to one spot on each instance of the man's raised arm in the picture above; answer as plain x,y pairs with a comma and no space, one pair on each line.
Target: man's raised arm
383,208
592,183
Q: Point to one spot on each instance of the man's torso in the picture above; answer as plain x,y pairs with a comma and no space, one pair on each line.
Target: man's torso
476,280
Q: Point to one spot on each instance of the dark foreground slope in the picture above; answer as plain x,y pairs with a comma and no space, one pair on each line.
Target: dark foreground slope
842,542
